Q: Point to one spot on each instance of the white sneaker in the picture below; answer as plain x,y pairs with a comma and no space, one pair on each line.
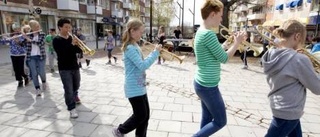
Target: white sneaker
44,86
38,92
73,113
116,133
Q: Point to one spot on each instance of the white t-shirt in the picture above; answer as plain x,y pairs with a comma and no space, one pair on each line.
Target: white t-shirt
35,48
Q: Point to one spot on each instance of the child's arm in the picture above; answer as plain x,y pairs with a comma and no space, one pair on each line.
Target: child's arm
133,54
307,75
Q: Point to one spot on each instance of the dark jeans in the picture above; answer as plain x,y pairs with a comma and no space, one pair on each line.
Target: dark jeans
175,45
244,57
18,67
213,110
71,83
140,117
109,53
284,128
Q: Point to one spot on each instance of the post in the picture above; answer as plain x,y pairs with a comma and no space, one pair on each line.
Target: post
182,17
96,24
317,22
194,12
151,3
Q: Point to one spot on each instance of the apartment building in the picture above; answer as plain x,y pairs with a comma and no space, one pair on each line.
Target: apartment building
91,17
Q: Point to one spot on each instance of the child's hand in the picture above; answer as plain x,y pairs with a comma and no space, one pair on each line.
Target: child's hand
158,47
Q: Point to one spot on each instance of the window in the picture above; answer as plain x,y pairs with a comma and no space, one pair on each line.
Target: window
91,2
86,27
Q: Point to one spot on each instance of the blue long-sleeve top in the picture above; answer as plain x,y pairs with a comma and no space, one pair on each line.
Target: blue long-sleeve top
16,47
135,67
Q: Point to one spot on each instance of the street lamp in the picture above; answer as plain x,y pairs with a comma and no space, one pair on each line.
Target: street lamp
95,23
317,23
181,8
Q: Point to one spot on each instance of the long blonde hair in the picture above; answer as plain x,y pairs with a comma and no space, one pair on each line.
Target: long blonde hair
33,23
133,24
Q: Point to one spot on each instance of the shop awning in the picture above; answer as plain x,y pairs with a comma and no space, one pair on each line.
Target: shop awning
279,7
295,3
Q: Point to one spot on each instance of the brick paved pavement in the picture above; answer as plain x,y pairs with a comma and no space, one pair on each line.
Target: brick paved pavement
175,109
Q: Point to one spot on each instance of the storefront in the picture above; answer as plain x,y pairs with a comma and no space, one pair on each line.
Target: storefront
21,19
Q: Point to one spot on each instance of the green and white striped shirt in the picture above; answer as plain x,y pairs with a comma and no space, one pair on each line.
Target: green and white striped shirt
209,56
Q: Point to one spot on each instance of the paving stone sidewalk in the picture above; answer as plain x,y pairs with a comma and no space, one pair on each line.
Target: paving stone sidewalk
175,109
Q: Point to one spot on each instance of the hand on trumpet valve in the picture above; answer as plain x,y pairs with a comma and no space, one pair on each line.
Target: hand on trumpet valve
74,42
158,47
240,37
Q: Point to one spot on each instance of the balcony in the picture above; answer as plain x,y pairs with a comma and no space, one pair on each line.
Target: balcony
117,13
256,3
133,7
117,0
242,19
257,16
243,8
127,5
91,9
68,5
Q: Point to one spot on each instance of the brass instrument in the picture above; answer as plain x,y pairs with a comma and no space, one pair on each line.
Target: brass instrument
315,61
165,54
82,46
257,50
261,28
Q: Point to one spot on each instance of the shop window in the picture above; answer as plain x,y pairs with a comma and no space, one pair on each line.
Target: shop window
315,5
86,27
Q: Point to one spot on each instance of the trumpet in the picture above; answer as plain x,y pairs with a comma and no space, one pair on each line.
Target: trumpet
257,50
259,30
82,46
314,60
165,54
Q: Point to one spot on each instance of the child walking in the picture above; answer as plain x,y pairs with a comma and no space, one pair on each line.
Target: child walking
289,73
135,80
110,45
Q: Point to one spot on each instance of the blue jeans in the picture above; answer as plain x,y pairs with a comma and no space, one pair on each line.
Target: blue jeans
284,128
213,110
71,83
37,68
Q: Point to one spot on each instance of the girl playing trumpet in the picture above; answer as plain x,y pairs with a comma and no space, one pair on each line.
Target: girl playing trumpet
289,73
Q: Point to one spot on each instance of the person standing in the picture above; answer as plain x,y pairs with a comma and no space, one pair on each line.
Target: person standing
67,50
36,55
51,53
109,45
80,55
209,55
135,66
161,37
17,54
177,34
289,73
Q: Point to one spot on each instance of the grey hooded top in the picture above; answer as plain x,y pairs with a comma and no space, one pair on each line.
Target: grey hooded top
289,74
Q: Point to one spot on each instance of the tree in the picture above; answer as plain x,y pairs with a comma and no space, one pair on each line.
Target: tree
163,12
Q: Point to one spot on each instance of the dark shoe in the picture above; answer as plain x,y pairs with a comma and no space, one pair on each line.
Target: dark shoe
88,62
115,59
20,84
80,66
77,99
52,70
159,62
109,62
26,81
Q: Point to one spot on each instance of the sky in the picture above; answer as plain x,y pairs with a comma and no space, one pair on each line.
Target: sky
188,17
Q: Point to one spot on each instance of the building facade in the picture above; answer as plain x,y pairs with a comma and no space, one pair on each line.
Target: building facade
93,18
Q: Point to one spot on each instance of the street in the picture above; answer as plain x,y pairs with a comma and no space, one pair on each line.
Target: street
175,108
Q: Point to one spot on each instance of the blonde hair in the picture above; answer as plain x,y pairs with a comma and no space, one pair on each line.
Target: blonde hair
25,27
210,6
33,23
133,24
289,28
